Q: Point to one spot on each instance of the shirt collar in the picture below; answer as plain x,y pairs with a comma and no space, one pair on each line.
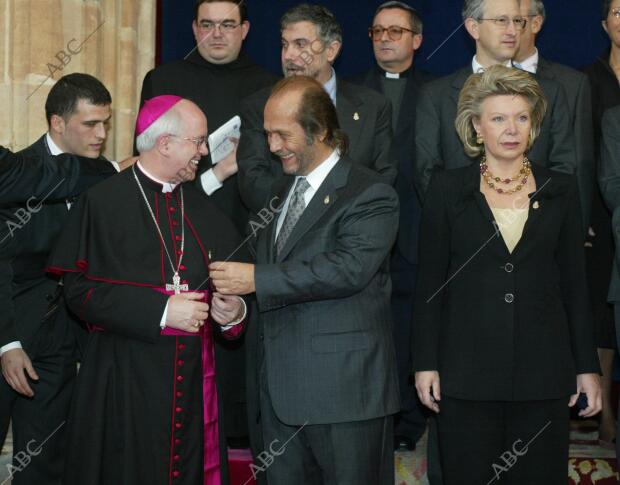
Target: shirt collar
397,75
530,64
318,175
476,67
166,186
54,149
330,87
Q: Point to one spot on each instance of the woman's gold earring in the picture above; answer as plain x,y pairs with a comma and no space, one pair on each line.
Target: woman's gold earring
479,139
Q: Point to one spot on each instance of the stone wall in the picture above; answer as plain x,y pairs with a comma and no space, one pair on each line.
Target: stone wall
42,40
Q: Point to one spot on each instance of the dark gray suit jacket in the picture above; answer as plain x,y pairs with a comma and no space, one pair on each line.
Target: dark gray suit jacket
578,94
439,147
609,180
364,115
324,319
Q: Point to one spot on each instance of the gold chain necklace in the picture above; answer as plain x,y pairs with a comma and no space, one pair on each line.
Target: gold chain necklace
492,181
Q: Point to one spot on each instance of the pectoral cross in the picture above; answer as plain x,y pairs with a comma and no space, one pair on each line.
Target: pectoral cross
176,285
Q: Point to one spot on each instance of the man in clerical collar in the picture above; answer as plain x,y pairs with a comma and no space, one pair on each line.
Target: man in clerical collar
578,95
496,27
324,372
217,75
39,341
134,256
396,35
311,41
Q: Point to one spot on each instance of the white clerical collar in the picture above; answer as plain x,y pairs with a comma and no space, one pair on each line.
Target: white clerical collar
54,149
166,186
476,67
318,175
530,64
330,87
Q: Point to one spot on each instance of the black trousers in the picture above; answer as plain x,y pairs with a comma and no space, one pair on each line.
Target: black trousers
39,423
350,453
514,443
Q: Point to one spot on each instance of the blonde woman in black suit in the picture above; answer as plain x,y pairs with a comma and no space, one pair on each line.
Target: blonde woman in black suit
503,342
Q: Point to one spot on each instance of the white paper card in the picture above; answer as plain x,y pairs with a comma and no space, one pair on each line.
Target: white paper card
219,144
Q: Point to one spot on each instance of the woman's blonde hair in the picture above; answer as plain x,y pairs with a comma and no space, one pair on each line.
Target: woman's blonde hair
496,81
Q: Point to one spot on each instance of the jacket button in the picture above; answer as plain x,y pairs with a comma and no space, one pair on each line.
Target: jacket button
509,298
509,267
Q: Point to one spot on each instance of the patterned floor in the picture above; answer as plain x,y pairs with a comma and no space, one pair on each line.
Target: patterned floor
589,464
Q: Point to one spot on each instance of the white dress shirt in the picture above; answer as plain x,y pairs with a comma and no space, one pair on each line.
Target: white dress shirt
530,64
476,67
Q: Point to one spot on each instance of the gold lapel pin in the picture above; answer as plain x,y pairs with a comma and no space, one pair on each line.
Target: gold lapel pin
535,205
356,116
326,200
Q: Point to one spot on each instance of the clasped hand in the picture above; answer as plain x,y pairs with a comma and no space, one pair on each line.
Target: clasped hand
189,311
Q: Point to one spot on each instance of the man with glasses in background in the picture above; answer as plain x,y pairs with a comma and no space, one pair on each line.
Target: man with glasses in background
496,28
396,35
216,76
577,89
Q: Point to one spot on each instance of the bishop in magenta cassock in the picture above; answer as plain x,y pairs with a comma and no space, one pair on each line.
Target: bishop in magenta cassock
135,256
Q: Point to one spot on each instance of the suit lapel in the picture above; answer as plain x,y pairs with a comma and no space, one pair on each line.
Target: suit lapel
350,112
324,198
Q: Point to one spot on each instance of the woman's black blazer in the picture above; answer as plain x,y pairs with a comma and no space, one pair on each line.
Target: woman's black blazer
500,325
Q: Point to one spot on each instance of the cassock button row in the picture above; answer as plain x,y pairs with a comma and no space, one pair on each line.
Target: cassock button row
179,393
180,378
178,409
181,346
178,238
182,267
177,457
180,363
177,441
176,473
178,425
175,223
172,209
179,252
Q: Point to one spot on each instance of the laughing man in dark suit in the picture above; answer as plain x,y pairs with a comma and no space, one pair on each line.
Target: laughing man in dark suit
321,338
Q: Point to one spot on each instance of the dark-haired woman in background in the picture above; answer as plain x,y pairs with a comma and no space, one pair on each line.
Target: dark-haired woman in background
604,76
503,341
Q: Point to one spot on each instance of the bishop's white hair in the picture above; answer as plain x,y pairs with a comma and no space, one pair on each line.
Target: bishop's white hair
170,123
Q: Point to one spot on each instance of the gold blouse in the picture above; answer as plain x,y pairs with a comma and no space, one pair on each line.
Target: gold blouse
510,223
